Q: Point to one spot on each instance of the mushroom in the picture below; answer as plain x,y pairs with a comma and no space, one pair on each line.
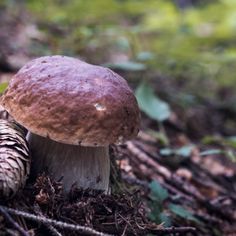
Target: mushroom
73,111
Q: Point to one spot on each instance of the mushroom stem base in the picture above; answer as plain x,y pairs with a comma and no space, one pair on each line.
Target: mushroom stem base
87,167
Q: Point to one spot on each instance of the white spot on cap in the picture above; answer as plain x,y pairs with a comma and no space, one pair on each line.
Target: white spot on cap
99,107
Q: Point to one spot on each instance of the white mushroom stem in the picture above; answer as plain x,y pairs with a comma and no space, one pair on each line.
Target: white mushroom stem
87,167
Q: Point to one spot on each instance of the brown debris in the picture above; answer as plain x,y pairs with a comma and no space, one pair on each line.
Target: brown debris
116,214
209,194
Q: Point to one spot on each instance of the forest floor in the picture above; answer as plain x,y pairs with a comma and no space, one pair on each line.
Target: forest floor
195,190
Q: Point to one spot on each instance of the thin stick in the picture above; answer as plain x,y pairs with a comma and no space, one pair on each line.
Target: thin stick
60,224
171,230
51,228
4,212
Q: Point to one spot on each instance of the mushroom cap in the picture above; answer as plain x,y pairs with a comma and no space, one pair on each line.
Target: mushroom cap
72,102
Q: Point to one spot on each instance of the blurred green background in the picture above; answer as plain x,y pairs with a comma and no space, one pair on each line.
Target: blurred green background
182,51
180,40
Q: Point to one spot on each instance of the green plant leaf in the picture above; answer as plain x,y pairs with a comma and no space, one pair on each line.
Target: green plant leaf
158,193
127,66
182,212
231,155
228,141
184,151
166,151
208,139
165,219
3,86
150,104
145,56
155,212
211,152
157,215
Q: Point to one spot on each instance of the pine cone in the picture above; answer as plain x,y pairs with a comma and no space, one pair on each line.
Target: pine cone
14,158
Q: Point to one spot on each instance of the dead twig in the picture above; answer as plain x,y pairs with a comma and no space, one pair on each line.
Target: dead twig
59,224
52,229
173,230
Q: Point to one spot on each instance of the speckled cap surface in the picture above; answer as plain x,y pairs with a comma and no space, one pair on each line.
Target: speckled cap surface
72,102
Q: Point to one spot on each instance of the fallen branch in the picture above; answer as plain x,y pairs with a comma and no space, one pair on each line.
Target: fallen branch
60,224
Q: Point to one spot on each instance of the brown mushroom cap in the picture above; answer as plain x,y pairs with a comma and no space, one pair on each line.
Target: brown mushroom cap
73,102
